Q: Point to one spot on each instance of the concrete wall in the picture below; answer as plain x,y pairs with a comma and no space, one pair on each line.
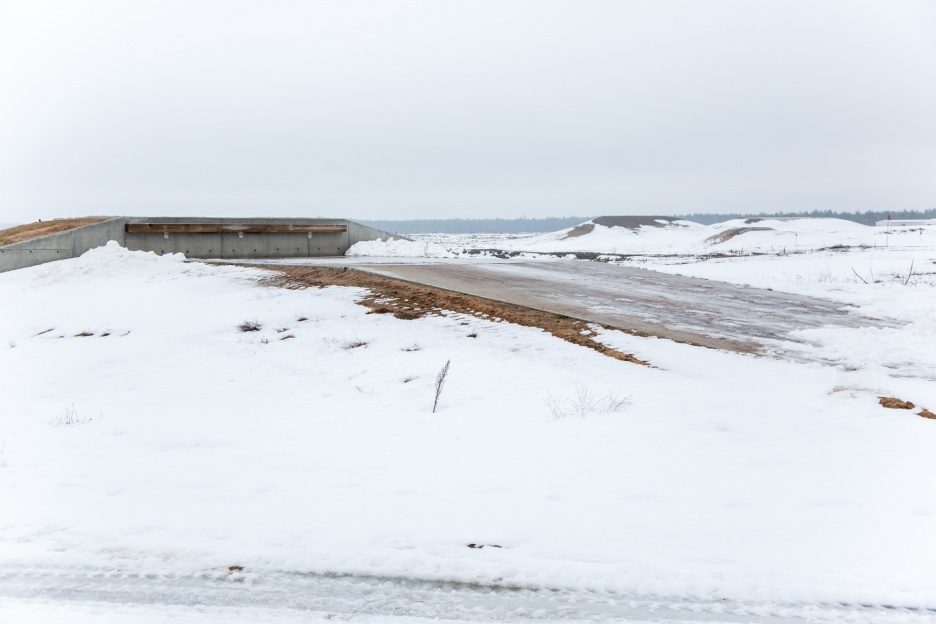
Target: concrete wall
228,245
61,245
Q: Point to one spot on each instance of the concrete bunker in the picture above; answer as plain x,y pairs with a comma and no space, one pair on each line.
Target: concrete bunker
198,237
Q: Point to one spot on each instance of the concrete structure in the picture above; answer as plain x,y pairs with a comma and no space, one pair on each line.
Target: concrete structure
197,237
60,245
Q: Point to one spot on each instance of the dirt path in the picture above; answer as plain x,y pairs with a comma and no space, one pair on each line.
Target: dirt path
29,231
691,310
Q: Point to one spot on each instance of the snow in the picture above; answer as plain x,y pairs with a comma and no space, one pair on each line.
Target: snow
686,237
398,248
193,446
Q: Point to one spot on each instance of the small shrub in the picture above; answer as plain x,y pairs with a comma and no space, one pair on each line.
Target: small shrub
70,417
473,335
287,337
355,344
439,384
250,326
583,403
412,347
408,379
84,334
302,319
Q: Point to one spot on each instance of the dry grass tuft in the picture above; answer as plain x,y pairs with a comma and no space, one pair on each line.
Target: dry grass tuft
895,403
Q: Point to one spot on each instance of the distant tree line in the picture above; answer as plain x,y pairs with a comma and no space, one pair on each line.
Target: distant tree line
474,226
551,224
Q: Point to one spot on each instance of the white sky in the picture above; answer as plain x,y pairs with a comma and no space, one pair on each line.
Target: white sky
458,109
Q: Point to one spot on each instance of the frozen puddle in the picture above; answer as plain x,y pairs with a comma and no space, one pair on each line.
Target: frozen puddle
399,597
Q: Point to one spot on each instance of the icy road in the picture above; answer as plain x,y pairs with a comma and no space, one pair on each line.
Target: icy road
686,309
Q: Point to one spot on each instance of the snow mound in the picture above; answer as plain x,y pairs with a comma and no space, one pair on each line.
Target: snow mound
115,262
656,236
112,252
399,248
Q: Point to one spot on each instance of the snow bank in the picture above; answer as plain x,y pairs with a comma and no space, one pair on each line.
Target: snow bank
399,248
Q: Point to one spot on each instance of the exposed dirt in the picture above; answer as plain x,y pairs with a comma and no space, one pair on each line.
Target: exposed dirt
29,231
410,301
925,413
895,403
727,235
580,230
634,221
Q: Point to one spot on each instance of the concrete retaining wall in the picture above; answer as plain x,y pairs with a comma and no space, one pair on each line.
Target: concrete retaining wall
232,245
227,245
61,245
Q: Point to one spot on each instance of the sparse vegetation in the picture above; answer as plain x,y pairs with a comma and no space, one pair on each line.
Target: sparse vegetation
250,326
895,403
583,402
69,418
356,344
84,334
439,384
412,347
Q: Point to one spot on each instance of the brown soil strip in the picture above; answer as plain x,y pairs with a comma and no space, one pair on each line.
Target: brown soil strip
29,231
727,235
411,301
580,230
925,413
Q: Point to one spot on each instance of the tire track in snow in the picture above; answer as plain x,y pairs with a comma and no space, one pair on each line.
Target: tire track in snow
367,595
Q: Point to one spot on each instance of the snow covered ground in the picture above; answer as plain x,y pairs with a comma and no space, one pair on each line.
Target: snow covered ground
143,433
737,236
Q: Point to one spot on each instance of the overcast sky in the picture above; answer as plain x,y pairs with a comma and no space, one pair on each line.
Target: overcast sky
458,109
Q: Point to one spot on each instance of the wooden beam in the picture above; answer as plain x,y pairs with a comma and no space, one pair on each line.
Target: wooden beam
247,228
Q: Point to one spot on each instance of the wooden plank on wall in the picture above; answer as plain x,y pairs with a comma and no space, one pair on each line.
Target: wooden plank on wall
247,228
